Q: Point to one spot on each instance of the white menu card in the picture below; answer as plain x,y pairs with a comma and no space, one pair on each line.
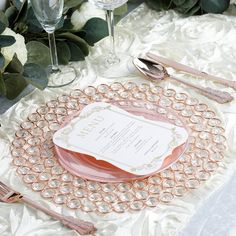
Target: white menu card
130,142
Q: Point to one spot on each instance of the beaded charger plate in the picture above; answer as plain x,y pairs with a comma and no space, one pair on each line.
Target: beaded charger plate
34,155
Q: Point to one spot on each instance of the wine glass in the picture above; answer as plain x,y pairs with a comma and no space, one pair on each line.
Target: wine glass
49,13
105,63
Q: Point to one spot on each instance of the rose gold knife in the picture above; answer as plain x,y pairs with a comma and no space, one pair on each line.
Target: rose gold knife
190,70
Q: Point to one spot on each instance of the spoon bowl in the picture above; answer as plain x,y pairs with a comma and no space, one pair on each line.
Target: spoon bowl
151,69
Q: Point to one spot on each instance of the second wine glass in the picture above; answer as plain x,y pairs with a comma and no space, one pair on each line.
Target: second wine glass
105,63
49,13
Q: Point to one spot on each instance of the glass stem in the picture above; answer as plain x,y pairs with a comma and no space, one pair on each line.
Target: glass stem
53,52
110,22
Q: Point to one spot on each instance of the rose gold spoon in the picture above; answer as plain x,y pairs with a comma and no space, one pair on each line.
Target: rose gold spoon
9,196
157,72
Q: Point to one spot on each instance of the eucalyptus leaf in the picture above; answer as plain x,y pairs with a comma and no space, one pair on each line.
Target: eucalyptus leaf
17,3
121,10
11,14
77,40
214,6
159,5
68,4
35,75
3,18
94,30
187,6
6,40
76,53
178,2
33,24
15,84
22,13
2,27
193,10
63,52
67,25
14,66
38,53
3,89
2,61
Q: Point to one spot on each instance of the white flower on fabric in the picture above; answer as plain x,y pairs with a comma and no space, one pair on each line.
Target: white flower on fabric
18,47
86,12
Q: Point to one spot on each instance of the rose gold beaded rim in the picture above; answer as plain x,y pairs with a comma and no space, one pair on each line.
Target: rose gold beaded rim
33,152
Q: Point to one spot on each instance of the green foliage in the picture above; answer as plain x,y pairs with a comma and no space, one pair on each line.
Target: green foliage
38,53
14,66
67,39
121,10
71,45
190,7
35,75
63,52
6,41
3,18
73,38
187,6
159,5
14,84
16,77
11,14
17,3
3,90
68,4
196,9
76,52
214,6
2,61
2,27
94,30
33,25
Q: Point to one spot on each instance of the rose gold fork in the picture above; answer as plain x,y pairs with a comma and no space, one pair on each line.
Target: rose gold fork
9,196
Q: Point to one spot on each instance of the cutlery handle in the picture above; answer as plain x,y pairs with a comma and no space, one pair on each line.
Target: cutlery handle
81,226
190,70
216,95
228,83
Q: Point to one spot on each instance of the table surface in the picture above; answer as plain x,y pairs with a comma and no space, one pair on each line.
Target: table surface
206,42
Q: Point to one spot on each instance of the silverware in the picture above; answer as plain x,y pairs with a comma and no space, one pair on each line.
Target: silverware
190,70
9,196
157,72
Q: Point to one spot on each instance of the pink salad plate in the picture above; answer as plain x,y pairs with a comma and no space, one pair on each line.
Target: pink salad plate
88,167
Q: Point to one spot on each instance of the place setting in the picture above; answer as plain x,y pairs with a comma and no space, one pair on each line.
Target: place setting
119,148
72,150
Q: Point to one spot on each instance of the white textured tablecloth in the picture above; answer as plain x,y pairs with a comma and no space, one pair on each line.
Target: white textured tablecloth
206,42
